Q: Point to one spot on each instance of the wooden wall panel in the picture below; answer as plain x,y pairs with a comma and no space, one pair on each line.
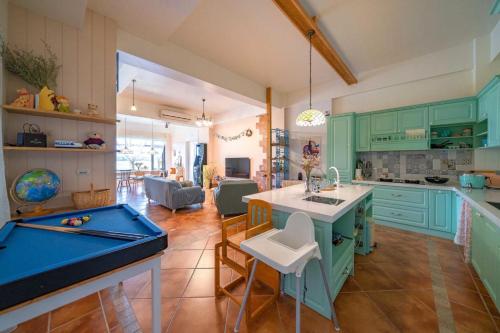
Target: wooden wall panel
87,75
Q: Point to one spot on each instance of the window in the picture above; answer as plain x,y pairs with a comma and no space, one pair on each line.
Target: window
140,157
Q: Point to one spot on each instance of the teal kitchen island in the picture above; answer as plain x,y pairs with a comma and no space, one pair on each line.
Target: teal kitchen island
342,213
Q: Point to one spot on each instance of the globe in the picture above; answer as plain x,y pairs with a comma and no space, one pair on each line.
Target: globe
35,186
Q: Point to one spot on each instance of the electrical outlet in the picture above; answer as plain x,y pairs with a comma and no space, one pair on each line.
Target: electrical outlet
83,172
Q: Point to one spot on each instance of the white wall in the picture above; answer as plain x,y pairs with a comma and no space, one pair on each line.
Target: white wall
87,75
4,201
244,147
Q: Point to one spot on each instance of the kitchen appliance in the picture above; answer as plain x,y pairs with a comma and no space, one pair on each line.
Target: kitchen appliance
200,159
437,180
492,178
494,204
472,181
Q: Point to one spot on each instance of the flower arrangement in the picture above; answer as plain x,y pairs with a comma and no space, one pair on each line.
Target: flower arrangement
309,162
208,175
37,70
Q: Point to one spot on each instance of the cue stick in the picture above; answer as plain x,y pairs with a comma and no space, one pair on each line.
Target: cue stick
88,232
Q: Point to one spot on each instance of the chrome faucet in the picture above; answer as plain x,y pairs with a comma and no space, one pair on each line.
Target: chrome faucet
337,180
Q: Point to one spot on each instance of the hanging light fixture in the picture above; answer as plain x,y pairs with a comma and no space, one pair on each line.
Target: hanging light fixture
126,150
310,117
152,150
133,107
203,121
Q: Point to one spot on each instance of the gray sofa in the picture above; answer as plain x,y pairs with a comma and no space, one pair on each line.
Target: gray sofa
171,194
228,194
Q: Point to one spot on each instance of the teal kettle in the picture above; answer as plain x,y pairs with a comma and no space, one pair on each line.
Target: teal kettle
472,181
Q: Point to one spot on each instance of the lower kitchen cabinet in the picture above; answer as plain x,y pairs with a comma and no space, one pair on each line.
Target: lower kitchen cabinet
440,210
485,254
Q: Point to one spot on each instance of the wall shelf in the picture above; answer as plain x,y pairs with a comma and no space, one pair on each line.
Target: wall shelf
56,114
54,149
453,137
482,133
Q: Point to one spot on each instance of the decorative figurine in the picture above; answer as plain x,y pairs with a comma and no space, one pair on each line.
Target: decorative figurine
92,110
45,99
24,99
94,141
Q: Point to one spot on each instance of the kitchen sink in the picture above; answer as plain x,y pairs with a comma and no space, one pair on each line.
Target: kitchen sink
494,204
324,200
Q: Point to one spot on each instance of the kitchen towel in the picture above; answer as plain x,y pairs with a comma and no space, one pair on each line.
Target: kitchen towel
463,235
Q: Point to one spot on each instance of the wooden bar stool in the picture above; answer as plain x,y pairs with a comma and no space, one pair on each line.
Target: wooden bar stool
256,221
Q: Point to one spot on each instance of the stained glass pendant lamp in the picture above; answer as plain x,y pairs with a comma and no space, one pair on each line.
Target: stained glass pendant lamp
203,121
310,117
133,108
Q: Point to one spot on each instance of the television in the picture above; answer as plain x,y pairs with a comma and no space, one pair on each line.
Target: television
238,167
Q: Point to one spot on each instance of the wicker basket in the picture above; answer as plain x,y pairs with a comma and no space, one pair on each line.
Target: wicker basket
92,198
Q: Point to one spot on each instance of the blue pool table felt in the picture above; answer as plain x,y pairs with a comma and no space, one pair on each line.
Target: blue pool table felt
30,251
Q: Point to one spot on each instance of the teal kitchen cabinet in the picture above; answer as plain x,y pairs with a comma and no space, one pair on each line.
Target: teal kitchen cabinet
489,108
384,122
413,118
440,210
453,112
363,132
341,137
485,254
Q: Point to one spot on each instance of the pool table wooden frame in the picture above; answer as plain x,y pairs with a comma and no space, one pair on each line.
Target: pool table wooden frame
19,313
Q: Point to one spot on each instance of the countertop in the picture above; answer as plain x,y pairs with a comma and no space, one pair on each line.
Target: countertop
291,199
475,197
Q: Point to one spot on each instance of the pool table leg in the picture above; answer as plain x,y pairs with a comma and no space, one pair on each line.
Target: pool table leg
156,299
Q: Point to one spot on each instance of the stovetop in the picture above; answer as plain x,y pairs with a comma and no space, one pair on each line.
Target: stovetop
401,181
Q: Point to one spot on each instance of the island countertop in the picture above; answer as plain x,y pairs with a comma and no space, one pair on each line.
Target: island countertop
291,199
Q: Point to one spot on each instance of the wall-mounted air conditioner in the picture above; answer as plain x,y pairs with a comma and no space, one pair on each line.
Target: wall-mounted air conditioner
176,117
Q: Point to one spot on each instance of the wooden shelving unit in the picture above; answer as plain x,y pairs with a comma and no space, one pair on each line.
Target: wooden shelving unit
56,114
54,149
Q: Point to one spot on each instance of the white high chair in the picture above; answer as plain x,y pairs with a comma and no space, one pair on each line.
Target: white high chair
287,251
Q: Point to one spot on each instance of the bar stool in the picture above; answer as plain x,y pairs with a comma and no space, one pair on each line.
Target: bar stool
287,251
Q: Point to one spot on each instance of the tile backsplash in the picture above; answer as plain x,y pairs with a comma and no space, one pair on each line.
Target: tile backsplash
418,164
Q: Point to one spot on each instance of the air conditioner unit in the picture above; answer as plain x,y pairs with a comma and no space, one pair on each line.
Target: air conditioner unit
176,117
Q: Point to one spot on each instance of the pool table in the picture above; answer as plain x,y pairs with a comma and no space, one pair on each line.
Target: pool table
35,263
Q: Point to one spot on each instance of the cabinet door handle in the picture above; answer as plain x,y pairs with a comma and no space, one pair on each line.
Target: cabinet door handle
479,214
396,214
397,195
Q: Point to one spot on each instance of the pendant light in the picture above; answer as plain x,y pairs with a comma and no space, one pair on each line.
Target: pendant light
310,117
126,150
203,121
133,108
152,150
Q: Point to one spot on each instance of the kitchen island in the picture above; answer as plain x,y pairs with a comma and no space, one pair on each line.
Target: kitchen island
343,218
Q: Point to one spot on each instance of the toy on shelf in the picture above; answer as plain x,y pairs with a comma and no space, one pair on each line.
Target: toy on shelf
92,110
45,101
67,144
61,104
76,221
24,99
94,141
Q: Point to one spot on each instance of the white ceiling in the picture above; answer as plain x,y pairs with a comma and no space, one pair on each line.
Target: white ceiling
254,39
159,89
68,12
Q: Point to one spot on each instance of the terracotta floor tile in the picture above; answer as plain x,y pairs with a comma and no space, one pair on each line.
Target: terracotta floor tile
74,310
461,280
408,276
180,258
371,277
207,259
173,283
200,315
212,240
143,312
134,285
37,324
358,313
202,282
92,322
465,297
405,311
424,296
468,320
480,287
350,285
491,306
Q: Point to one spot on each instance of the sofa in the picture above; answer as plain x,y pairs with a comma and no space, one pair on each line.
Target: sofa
228,194
171,194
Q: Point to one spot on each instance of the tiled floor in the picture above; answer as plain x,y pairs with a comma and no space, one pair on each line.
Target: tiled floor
394,288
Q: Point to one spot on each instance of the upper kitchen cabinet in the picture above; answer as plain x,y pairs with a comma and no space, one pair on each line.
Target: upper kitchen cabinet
384,122
453,112
489,110
340,145
363,132
413,118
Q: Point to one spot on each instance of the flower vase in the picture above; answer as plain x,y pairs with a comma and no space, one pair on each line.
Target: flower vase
308,184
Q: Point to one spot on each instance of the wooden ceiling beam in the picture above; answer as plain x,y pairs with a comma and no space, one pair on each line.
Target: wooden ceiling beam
299,17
